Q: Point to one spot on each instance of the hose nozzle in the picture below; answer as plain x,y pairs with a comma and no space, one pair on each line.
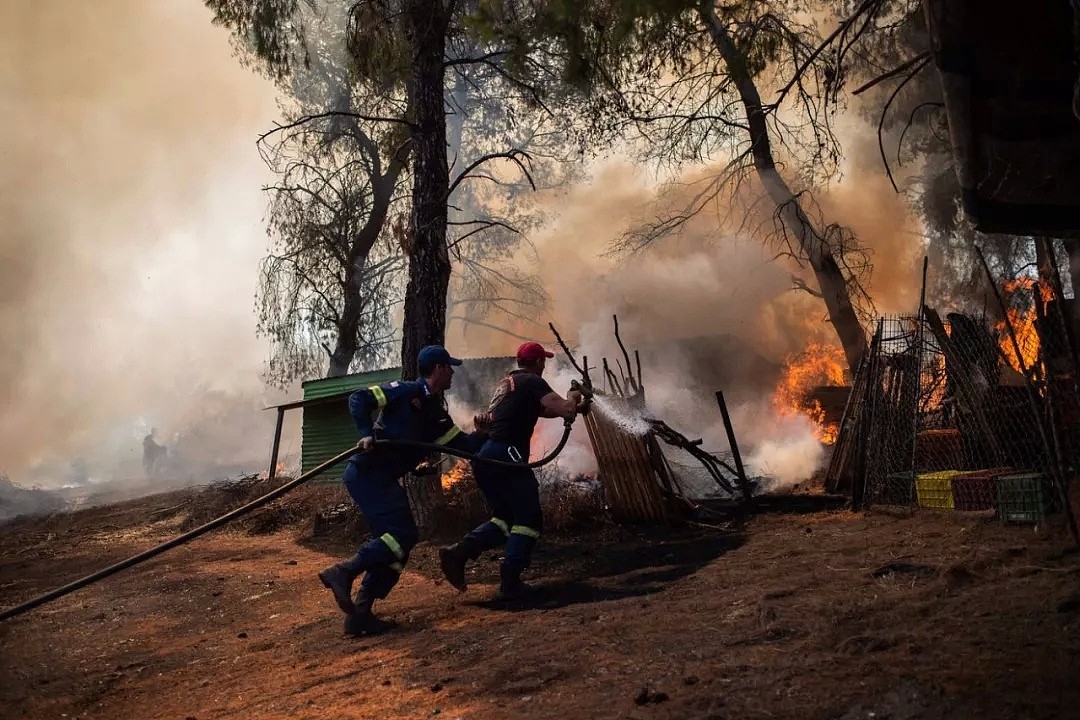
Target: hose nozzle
586,394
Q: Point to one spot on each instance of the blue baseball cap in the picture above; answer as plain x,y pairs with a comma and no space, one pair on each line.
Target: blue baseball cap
432,355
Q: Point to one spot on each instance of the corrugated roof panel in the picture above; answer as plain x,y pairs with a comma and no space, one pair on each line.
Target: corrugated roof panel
332,386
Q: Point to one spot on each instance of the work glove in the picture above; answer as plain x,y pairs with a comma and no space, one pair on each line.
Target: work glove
577,398
482,423
365,444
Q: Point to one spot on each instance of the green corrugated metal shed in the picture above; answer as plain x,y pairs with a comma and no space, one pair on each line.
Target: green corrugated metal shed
328,428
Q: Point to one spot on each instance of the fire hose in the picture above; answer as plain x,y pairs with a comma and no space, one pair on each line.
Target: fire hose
265,499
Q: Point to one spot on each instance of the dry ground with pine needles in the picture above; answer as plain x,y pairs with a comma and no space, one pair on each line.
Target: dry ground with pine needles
826,615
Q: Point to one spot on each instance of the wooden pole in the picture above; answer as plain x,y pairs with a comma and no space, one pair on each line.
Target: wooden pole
630,382
277,445
920,334
869,424
744,484
612,380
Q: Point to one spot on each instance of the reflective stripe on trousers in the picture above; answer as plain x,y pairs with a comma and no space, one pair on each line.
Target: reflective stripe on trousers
394,545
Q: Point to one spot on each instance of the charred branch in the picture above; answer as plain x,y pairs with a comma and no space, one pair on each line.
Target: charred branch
583,371
630,381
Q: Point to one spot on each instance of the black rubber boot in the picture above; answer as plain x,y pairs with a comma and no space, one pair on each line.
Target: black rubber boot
452,560
361,624
339,580
512,589
363,621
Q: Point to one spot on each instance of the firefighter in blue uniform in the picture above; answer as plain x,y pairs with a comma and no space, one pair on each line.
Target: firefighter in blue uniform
512,493
407,410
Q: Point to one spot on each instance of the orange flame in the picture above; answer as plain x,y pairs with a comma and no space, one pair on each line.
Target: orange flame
818,364
279,470
934,378
1023,324
460,471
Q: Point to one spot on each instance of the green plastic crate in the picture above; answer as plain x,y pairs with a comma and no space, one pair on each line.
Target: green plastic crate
934,490
1026,498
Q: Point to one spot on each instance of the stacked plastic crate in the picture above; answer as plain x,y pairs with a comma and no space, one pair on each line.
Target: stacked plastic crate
935,489
1024,498
1017,497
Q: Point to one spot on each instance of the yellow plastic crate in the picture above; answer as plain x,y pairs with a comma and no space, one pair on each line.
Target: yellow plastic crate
934,490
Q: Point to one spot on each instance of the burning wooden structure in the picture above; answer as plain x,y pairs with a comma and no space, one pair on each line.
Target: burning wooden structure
800,392
638,480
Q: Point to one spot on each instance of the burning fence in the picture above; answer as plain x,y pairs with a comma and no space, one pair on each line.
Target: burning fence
963,413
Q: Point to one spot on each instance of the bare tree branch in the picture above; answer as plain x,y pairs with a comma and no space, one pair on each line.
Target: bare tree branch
333,113
511,155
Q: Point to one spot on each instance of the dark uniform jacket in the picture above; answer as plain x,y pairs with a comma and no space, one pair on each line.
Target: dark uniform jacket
406,410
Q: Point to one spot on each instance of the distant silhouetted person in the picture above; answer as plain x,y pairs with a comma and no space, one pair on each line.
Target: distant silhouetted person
153,454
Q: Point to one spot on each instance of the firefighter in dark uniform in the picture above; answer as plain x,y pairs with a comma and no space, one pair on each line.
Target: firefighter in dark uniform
407,410
512,494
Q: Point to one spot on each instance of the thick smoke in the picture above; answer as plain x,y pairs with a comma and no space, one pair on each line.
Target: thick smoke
709,311
129,208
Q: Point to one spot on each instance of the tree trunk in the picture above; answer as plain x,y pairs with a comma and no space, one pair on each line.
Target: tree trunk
348,330
814,246
429,261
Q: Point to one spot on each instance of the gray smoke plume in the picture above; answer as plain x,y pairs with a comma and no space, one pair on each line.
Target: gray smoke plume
129,237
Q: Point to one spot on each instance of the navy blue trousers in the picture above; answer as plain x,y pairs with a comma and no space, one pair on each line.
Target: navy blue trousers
374,487
513,496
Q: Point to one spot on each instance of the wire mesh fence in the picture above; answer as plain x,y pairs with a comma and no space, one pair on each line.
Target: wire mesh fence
968,413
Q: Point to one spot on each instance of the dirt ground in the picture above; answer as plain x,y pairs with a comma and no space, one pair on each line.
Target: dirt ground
821,615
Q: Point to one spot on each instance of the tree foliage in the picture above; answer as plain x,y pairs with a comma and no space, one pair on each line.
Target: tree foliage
330,285
352,69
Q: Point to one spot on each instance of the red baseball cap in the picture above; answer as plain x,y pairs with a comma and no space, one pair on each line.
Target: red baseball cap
531,352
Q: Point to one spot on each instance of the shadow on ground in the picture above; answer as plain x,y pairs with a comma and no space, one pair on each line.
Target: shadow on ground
634,567
727,509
